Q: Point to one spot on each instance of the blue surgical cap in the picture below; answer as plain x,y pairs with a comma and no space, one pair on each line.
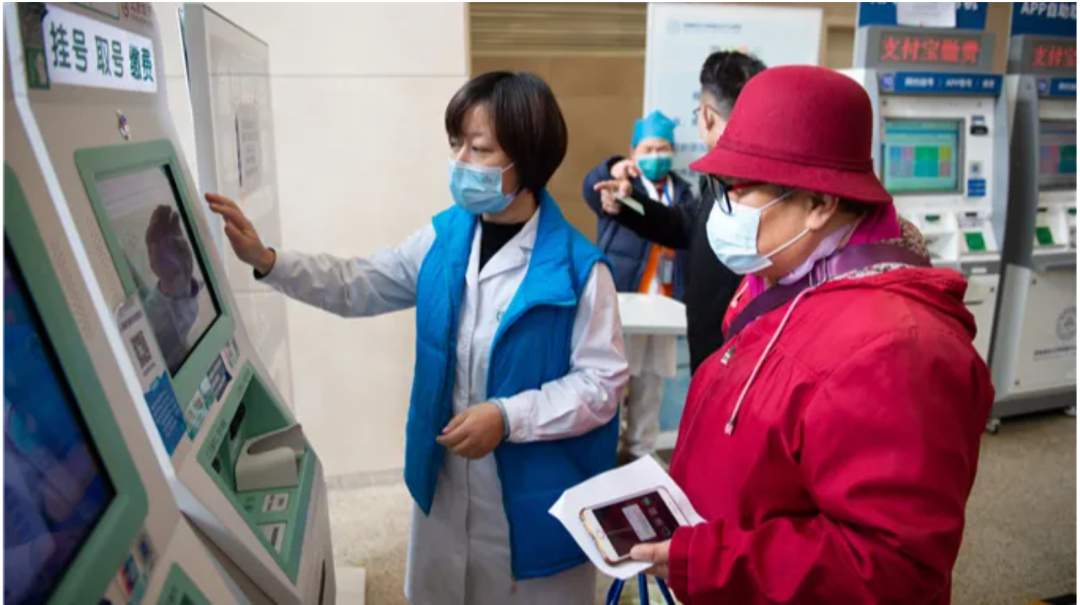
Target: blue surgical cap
654,126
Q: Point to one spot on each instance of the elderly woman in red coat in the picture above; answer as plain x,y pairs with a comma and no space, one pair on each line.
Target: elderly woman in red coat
831,444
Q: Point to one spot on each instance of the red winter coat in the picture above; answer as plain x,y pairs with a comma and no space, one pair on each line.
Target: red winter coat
847,473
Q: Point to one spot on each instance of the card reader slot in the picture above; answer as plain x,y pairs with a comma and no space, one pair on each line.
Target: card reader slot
238,419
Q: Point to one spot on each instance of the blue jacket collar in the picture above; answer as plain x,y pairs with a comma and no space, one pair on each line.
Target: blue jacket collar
548,279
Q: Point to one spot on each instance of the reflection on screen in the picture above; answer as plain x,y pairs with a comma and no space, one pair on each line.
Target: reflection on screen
645,518
145,215
54,487
1057,154
921,156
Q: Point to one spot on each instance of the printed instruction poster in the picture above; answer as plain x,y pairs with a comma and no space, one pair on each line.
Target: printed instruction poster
145,355
243,144
681,36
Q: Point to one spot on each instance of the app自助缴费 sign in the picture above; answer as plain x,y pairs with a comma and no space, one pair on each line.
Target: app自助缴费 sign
81,51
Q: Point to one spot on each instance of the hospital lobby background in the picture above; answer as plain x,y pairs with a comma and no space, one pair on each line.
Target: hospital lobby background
1019,544
359,92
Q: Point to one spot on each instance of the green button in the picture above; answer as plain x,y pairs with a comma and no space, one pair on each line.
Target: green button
932,218
1043,236
1072,211
975,241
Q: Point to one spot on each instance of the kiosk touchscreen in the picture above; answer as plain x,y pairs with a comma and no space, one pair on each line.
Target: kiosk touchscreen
941,141
1055,226
1033,362
141,208
921,156
240,467
56,487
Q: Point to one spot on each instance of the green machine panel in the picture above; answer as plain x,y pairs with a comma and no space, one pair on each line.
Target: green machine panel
975,241
179,589
278,516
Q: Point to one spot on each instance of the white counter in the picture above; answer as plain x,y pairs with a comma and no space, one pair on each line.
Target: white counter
652,314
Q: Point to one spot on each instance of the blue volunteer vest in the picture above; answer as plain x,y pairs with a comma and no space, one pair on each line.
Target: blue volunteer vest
531,347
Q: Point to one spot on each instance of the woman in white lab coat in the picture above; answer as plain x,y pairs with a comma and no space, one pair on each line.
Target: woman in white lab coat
519,356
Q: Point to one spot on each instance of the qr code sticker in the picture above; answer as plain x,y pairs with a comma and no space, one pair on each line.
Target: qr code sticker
142,350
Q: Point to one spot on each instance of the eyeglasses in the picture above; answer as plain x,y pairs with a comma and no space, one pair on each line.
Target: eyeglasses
697,113
720,190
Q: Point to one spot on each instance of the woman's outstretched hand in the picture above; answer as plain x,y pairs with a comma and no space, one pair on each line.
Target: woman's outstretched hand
242,234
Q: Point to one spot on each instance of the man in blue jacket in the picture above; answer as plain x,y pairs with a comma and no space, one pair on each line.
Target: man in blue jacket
644,267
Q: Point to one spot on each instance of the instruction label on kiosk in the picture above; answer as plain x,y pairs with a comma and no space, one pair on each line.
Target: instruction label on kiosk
910,82
966,15
926,14
194,415
146,357
80,51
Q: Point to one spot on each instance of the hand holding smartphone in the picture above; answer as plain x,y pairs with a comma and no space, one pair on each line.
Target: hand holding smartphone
642,518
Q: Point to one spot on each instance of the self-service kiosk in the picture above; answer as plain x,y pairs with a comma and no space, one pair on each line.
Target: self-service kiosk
89,516
940,142
1033,361
93,105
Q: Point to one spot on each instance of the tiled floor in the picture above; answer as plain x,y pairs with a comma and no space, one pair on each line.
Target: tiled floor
1020,542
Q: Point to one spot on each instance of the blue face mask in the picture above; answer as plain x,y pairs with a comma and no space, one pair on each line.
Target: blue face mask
654,166
478,189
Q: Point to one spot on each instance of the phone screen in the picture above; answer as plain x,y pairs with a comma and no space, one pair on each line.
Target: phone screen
644,518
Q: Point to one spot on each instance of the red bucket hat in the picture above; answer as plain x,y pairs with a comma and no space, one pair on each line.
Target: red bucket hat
801,127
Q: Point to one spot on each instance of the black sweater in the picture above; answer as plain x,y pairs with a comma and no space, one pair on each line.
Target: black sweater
710,285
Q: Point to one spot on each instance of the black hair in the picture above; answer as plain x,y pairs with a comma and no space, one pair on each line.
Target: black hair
528,122
854,207
723,76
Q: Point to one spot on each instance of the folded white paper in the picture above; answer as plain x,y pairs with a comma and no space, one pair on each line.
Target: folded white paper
640,476
634,205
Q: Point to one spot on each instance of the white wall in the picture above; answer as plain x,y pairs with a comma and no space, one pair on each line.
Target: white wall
359,92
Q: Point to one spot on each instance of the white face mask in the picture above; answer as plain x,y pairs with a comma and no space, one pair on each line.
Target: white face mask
733,237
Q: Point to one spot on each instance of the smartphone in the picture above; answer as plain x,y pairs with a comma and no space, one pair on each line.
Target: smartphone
618,526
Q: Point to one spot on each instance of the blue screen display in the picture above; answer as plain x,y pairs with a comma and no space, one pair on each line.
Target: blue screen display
55,489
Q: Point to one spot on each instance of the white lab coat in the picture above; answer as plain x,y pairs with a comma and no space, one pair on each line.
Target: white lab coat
460,554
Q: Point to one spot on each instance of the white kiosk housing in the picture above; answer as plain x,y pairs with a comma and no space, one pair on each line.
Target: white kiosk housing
1033,361
940,146
89,514
93,103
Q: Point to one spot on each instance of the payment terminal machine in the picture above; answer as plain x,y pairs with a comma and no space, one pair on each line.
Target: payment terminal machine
940,140
239,464
1033,362
89,516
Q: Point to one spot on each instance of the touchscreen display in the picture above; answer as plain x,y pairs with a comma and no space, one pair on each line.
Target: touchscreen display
921,156
1057,154
144,210
641,519
55,489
